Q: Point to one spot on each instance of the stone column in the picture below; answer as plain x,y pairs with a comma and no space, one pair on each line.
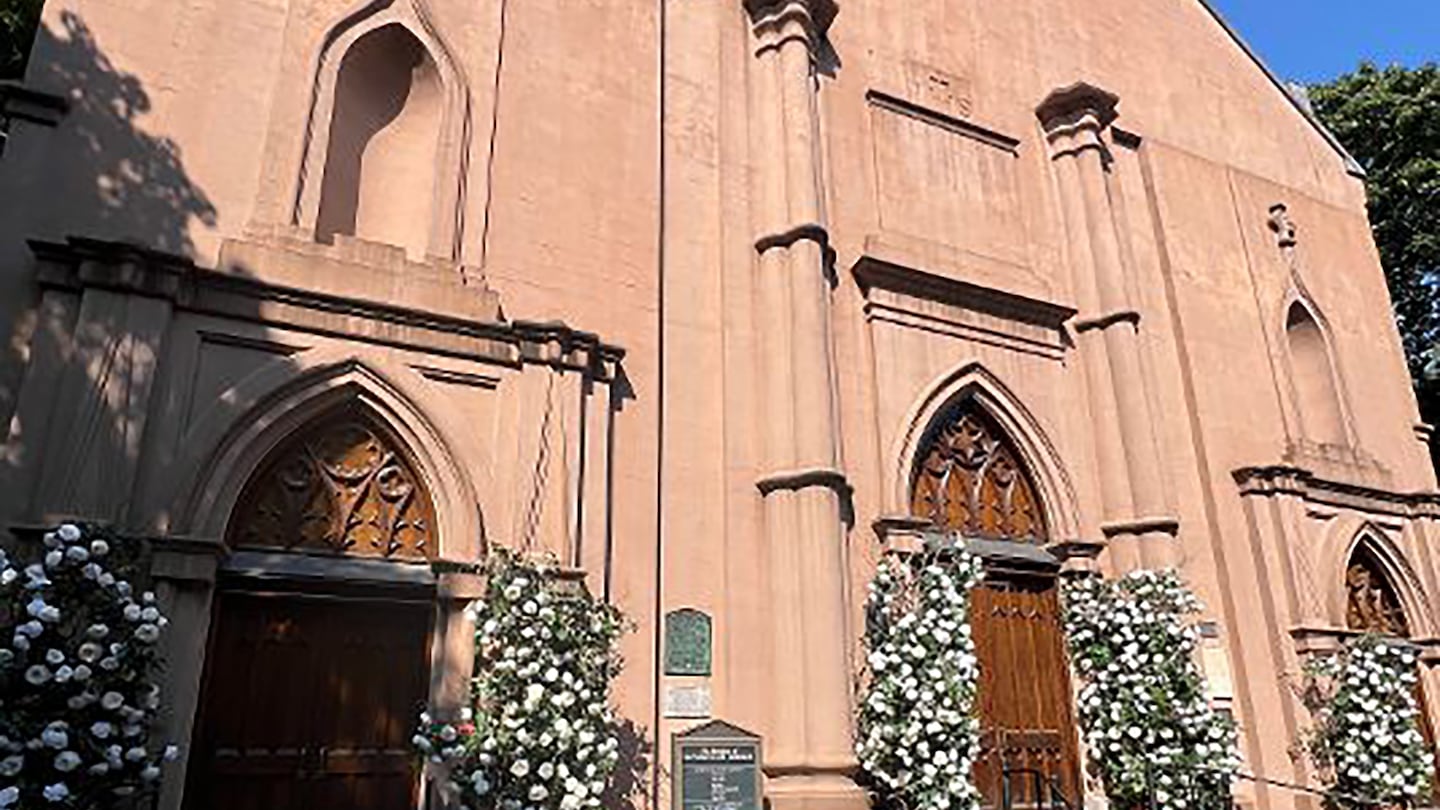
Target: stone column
183,573
809,754
1107,331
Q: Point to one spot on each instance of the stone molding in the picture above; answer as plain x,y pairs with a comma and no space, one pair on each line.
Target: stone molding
1107,320
79,263
777,21
21,103
793,480
874,270
1074,116
1284,479
959,126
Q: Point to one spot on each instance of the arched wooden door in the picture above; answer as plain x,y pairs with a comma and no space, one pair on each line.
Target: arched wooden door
1372,606
970,481
312,685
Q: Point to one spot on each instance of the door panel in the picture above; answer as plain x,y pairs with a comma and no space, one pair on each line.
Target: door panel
1026,713
309,703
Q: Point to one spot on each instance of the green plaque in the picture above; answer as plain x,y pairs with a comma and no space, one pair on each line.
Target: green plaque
687,642
717,767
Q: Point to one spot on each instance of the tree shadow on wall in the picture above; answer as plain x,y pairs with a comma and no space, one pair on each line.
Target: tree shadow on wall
101,173
121,182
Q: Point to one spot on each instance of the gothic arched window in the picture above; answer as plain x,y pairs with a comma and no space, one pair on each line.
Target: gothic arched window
1372,605
970,480
341,486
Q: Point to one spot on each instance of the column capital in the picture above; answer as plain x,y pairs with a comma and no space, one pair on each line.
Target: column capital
772,19
1074,116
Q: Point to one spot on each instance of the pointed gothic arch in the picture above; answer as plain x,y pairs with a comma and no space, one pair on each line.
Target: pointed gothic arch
1378,581
341,484
972,388
386,82
1316,389
976,465
970,479
230,442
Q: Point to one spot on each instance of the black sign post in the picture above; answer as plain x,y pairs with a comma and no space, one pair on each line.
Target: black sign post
717,767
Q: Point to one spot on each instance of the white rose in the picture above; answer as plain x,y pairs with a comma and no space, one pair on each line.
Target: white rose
68,532
9,796
67,761
520,768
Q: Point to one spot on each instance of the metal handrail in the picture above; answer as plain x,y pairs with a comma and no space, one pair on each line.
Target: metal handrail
1048,794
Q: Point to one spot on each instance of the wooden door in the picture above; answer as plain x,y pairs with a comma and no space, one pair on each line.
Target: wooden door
309,703
1026,710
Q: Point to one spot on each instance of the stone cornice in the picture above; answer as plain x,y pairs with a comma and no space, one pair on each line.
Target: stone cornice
79,264
1074,116
1067,106
1285,479
876,271
815,14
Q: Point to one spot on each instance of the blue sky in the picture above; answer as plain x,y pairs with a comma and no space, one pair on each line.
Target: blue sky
1315,40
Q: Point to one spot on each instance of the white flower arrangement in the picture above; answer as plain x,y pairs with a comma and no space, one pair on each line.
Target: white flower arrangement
539,733
1366,736
1148,725
919,734
77,658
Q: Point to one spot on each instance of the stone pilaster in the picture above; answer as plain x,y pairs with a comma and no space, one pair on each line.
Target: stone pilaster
809,754
1107,331
85,399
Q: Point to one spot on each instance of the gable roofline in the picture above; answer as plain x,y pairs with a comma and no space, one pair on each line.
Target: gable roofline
1351,164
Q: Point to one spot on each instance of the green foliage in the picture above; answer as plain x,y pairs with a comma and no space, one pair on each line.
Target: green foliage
1390,121
18,21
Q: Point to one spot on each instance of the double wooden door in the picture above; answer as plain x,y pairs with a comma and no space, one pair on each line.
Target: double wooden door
309,703
1026,706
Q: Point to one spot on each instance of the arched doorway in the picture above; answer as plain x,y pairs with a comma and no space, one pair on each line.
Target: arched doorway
970,480
1373,606
318,656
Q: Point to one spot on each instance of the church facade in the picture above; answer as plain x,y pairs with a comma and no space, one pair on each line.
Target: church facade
718,304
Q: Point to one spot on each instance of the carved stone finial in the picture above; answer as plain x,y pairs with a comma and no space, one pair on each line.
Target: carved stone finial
1076,105
1282,225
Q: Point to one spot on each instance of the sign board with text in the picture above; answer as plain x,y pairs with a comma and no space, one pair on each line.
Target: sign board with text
717,767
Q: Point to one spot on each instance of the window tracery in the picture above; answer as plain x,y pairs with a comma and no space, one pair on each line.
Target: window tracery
340,486
970,480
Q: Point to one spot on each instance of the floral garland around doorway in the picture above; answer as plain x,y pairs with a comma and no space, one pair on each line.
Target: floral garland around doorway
1148,725
539,731
1366,739
78,657
919,734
